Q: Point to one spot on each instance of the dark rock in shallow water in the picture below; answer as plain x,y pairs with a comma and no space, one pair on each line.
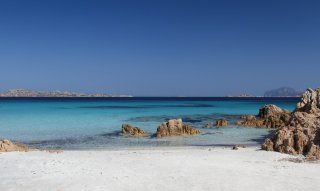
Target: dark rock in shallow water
133,131
236,147
175,127
302,135
207,125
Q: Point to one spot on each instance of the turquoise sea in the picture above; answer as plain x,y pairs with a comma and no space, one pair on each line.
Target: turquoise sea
94,123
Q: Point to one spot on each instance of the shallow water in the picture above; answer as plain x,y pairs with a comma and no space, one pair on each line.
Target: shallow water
78,123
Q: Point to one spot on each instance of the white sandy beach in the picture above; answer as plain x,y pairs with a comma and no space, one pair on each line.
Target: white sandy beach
157,169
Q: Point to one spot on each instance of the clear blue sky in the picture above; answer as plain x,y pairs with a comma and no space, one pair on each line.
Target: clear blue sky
164,48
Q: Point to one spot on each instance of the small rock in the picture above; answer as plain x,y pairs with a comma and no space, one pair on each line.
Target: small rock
221,123
236,147
132,131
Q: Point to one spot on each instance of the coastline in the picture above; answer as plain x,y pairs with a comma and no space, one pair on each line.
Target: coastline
187,168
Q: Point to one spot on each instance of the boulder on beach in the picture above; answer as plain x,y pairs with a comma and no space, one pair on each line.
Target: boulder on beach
8,146
132,131
175,127
269,116
221,123
302,134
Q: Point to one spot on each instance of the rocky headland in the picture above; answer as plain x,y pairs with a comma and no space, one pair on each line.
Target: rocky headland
283,92
301,133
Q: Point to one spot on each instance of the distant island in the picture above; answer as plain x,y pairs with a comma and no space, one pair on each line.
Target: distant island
31,93
283,92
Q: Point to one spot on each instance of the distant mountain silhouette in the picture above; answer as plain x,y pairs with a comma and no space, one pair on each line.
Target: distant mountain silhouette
282,92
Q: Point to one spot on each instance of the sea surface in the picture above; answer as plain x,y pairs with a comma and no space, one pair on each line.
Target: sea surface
95,123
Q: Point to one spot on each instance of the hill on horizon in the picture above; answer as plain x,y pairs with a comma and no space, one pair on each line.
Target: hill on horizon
283,92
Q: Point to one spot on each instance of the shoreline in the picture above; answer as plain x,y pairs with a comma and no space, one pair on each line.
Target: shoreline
160,147
206,168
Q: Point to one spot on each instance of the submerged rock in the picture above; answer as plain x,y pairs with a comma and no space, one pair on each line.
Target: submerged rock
221,123
302,135
8,146
269,116
175,127
133,131
208,125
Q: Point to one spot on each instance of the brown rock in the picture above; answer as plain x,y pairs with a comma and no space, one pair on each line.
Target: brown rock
250,121
274,116
175,127
269,116
267,145
132,131
302,134
8,146
310,102
221,123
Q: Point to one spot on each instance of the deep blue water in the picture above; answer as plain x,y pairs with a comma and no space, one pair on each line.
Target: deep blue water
94,123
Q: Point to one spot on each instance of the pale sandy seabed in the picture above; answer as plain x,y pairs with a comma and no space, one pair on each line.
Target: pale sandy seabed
157,169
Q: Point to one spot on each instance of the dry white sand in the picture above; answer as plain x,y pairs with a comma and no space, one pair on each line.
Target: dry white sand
157,169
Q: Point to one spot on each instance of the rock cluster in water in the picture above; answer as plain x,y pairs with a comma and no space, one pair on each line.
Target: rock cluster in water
175,127
8,146
302,133
269,116
132,131
221,123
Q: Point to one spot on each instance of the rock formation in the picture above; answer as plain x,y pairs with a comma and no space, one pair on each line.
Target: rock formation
269,116
302,134
8,146
175,127
132,131
250,121
221,123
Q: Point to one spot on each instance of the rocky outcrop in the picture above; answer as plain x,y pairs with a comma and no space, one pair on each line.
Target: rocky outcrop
250,121
310,102
221,123
132,131
274,116
269,116
8,146
302,134
175,127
